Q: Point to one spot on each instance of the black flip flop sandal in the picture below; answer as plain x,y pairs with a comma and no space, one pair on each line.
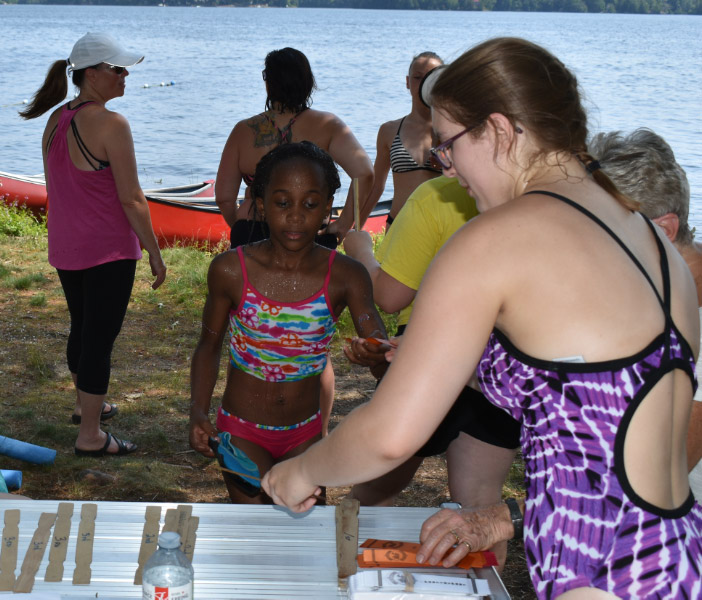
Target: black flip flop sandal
104,416
122,448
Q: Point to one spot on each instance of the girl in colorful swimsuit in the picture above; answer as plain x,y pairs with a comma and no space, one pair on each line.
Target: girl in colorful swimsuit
280,300
581,321
289,117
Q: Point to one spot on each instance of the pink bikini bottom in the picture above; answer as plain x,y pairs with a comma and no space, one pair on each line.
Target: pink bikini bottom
278,441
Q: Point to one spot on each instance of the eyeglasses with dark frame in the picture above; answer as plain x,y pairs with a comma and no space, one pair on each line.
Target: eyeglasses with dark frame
440,152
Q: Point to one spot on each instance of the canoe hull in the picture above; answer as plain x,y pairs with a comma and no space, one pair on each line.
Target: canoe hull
198,222
24,191
184,215
193,223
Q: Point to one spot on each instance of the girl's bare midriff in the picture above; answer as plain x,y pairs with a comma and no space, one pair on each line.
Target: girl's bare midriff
270,402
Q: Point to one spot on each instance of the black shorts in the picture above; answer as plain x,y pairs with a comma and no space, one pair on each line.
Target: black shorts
473,414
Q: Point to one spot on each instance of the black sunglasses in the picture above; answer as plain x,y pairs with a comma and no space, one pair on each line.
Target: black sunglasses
117,70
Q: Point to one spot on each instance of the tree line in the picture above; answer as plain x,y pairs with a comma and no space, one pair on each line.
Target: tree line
592,6
689,7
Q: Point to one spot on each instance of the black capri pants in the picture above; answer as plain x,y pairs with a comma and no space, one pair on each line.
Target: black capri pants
97,300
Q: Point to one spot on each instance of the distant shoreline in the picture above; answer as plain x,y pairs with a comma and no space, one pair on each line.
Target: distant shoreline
650,7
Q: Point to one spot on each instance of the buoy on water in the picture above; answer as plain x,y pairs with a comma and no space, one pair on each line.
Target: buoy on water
162,84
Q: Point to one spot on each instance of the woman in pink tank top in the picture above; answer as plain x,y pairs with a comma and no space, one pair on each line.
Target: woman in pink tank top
98,221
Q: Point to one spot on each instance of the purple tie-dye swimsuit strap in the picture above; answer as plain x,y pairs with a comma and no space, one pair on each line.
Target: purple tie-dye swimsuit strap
584,524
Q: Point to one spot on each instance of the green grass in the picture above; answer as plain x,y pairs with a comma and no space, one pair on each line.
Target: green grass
24,282
150,377
39,364
38,300
16,222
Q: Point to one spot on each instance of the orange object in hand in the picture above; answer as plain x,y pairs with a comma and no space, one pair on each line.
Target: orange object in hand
375,341
393,554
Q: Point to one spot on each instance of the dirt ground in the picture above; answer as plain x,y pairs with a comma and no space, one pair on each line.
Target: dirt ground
150,383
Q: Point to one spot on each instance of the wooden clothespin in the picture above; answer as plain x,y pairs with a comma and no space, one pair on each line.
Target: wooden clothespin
346,517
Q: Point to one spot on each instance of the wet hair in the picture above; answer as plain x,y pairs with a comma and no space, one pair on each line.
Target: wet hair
427,54
53,90
285,152
643,166
289,80
528,85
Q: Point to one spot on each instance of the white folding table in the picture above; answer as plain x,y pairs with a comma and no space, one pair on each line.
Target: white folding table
241,552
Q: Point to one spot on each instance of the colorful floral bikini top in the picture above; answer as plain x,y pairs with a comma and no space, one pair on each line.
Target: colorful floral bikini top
281,341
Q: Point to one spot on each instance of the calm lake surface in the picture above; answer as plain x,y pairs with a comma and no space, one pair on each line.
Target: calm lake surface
635,70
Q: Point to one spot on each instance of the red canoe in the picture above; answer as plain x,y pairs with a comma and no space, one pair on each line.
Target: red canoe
187,221
198,221
28,191
186,215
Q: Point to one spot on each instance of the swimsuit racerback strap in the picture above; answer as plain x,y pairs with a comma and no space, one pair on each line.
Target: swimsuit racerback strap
665,273
284,133
101,164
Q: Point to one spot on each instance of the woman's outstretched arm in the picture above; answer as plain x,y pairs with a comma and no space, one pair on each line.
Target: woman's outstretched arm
455,310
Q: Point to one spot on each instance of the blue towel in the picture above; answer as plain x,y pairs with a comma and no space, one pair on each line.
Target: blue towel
235,459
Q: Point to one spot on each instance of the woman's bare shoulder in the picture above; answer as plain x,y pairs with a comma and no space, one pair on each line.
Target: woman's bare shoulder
225,262
495,237
388,130
247,127
253,120
391,126
53,120
225,272
519,213
103,118
323,119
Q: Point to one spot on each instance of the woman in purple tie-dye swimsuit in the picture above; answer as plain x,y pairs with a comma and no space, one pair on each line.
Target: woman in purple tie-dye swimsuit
580,320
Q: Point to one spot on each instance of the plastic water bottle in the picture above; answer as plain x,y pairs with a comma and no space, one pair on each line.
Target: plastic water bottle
168,574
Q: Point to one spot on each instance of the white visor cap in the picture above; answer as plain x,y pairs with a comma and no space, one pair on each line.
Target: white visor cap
427,84
95,48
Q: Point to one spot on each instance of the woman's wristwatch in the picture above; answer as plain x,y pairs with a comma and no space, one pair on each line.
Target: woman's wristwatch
517,517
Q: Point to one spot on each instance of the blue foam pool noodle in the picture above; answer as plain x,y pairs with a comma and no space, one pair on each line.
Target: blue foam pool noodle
25,451
13,479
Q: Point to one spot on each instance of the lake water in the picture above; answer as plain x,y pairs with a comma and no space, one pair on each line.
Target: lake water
635,70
